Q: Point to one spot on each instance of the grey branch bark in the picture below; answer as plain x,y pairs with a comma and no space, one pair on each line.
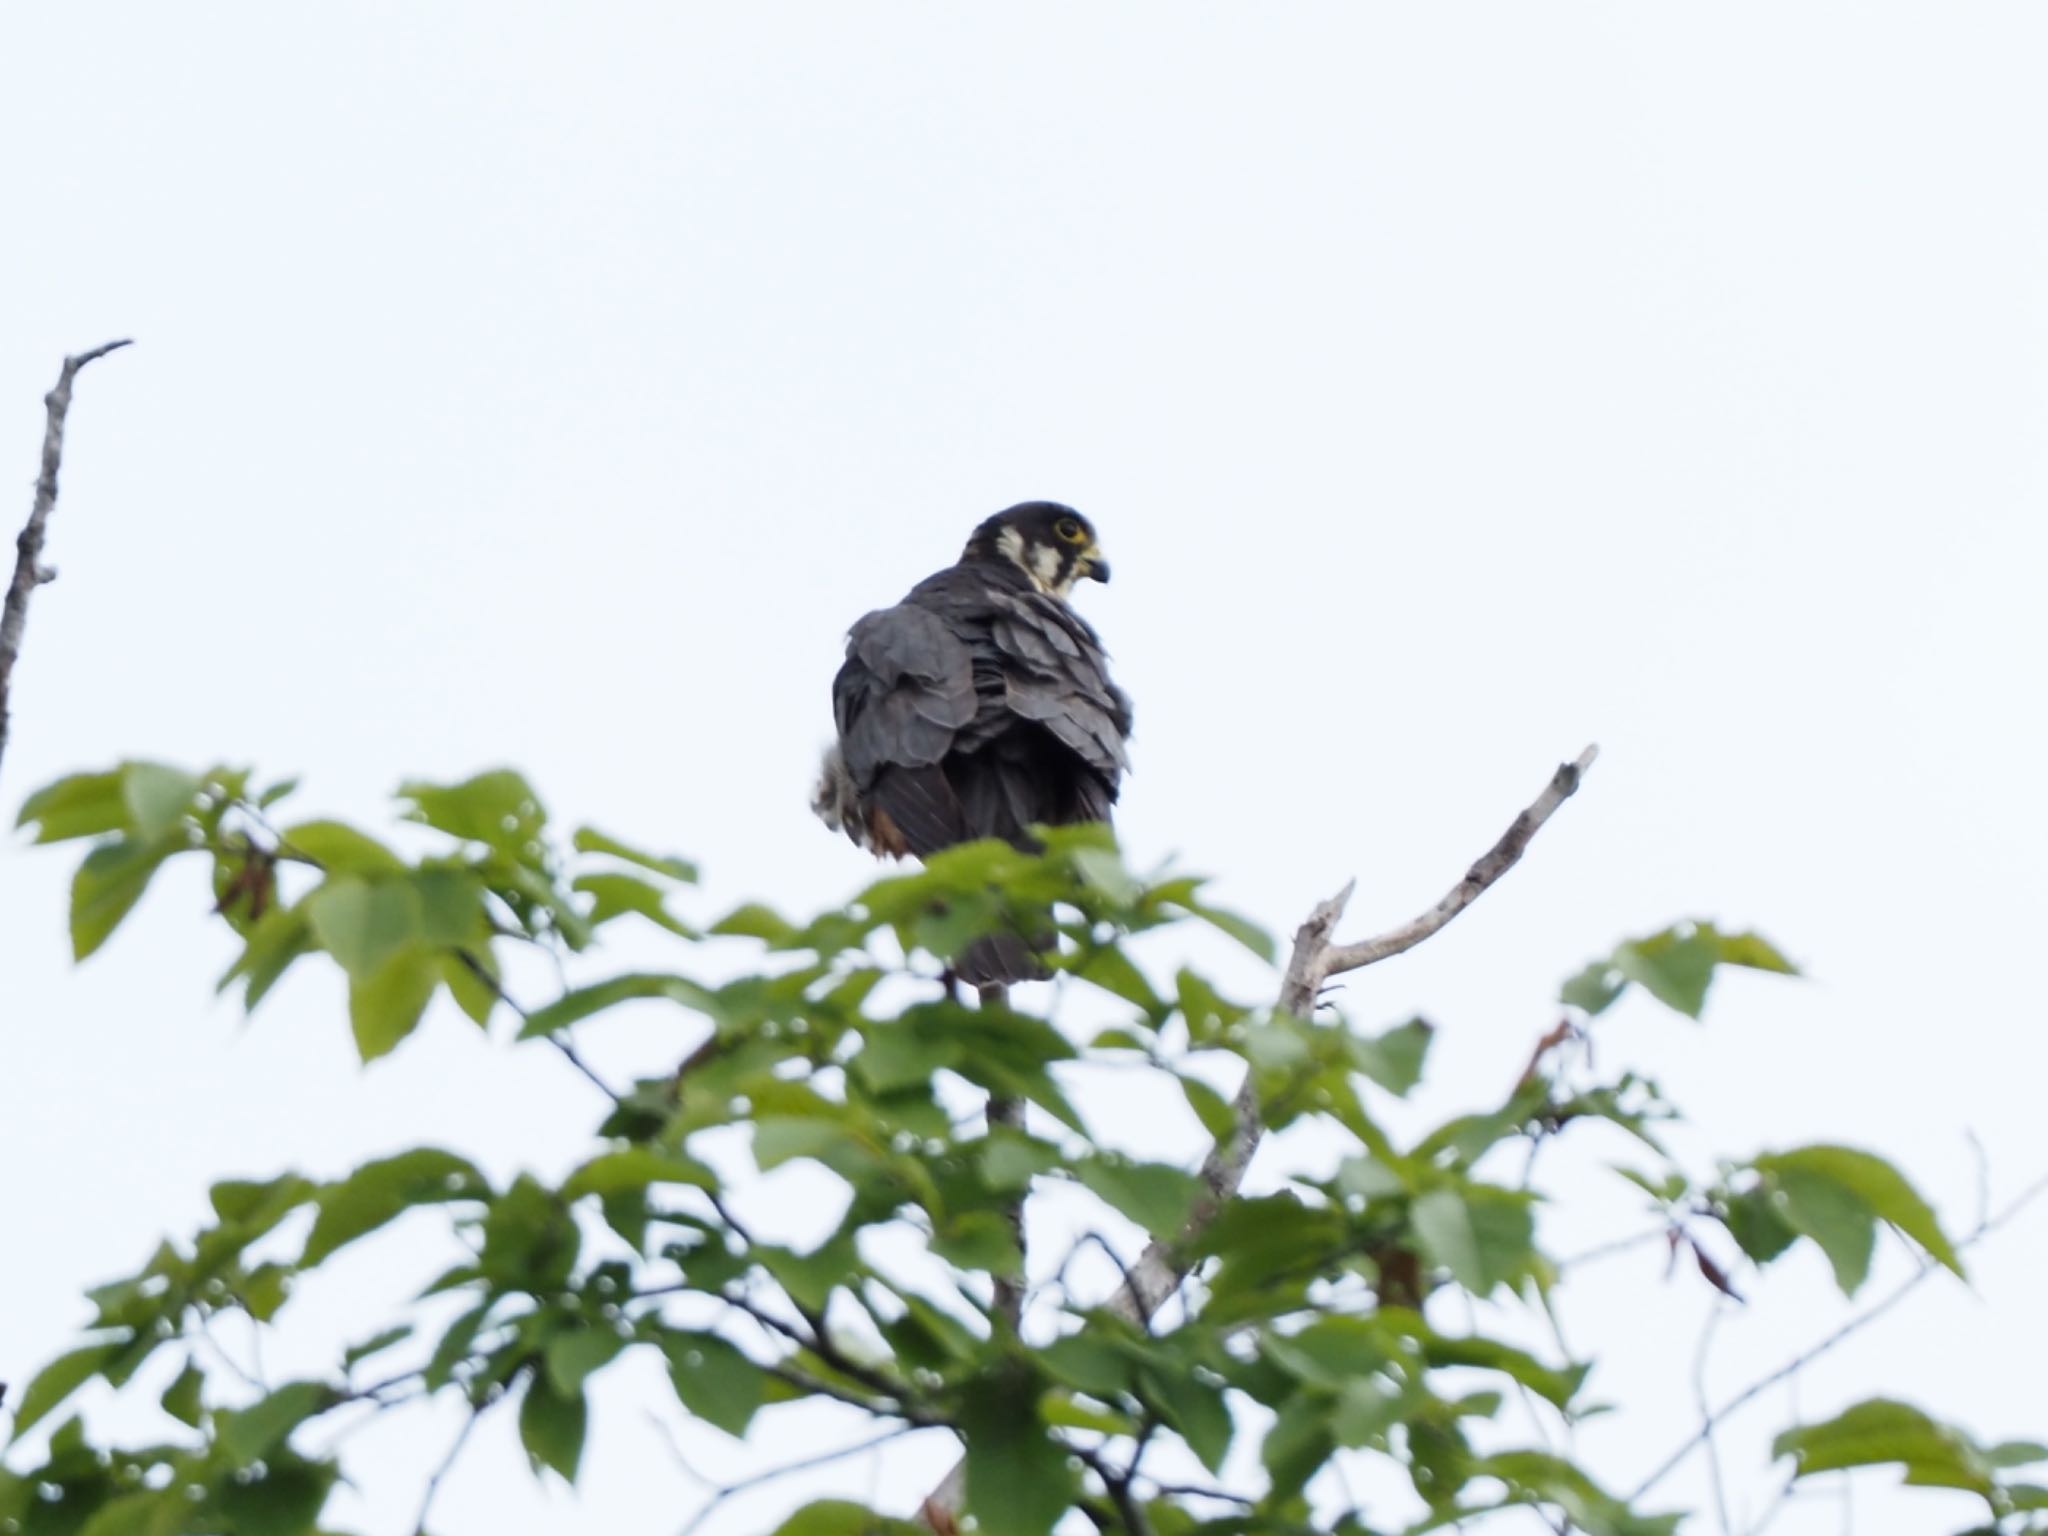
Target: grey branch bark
1154,1279
29,570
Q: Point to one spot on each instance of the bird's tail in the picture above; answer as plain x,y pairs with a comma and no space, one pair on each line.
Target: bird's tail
997,959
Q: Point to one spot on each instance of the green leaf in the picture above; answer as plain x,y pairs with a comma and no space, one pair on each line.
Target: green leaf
497,808
363,923
355,1354
181,1399
1196,1411
1246,932
615,895
552,1426
1109,968
1755,952
264,1290
136,1514
634,1168
978,1240
530,1239
248,1434
1483,1236
157,797
1018,1479
340,849
1010,1159
1058,1410
1839,1220
1554,1385
386,1006
475,995
779,1139
713,1379
279,937
378,1191
1208,1012
1881,1431
253,1207
1394,1060
839,1517
585,1001
276,792
1157,1197
1298,1444
1535,1476
590,840
1091,1363
754,921
1758,1227
1878,1185
284,1499
83,805
1103,869
451,907
1594,988
109,882
60,1378
575,1353
895,1054
1210,1107
1673,969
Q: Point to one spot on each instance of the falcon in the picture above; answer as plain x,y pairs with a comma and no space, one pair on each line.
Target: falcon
979,706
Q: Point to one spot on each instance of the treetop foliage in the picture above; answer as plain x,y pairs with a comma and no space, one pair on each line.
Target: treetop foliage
1310,1332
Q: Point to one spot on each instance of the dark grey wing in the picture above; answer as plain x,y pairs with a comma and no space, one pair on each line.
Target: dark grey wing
903,695
1056,675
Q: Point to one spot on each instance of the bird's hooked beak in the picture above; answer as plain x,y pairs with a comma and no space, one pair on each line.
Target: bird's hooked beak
1097,567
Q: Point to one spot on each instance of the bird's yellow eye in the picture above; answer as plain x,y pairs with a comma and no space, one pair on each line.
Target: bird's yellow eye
1069,530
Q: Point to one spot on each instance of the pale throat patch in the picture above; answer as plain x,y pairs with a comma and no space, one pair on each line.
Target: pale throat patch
1041,564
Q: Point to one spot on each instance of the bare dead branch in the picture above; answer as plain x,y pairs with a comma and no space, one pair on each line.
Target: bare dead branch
1314,959
1497,861
1158,1274
29,570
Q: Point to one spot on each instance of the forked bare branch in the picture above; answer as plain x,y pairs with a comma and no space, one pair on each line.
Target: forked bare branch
1158,1274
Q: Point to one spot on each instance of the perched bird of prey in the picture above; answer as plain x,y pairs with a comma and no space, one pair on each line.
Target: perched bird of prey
980,705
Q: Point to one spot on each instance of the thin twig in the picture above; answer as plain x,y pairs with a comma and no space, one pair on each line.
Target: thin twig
1158,1274
482,973
1131,1303
1195,1491
29,570
1118,1486
1814,1351
447,1463
753,1480
1699,1395
1614,1249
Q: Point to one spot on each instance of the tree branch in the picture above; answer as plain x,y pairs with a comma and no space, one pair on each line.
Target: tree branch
1314,960
723,1491
1007,1291
1814,1351
1158,1274
29,570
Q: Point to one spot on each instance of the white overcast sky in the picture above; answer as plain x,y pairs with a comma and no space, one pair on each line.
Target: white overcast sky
1451,385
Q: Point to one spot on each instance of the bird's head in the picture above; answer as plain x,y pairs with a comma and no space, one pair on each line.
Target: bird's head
1053,545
